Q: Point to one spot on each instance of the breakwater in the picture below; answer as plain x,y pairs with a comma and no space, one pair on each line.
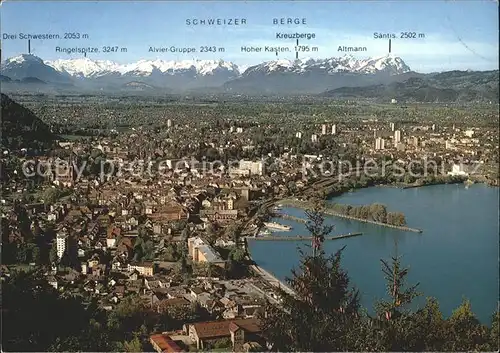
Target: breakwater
307,205
303,237
290,217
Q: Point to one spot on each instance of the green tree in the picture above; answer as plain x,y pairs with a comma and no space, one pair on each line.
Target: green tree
53,258
211,233
234,231
35,254
223,343
128,317
324,308
316,225
494,332
144,232
395,320
148,250
134,345
433,326
139,249
170,253
22,253
236,253
177,316
35,318
51,195
465,331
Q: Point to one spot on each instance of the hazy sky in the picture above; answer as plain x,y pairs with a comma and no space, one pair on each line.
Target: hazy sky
458,34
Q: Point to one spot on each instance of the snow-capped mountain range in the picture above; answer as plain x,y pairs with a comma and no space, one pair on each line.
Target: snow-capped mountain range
196,74
344,64
96,68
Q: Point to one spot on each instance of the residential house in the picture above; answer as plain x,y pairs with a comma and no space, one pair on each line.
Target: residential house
239,331
144,268
165,304
125,247
112,235
52,281
218,215
163,343
171,211
202,252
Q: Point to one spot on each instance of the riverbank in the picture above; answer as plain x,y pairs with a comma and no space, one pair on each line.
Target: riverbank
330,189
307,205
470,181
265,275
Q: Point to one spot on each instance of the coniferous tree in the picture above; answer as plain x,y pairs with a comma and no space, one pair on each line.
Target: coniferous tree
323,308
398,328
432,326
315,225
466,333
494,332
400,296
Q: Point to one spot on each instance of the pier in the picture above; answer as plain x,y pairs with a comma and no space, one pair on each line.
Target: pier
303,237
306,205
287,216
403,228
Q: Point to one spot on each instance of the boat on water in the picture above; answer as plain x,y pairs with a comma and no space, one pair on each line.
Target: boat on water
277,226
264,233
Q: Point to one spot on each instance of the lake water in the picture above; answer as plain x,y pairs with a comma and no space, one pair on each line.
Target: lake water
456,256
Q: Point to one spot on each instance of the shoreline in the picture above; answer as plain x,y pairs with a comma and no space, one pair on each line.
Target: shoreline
305,205
412,186
265,275
404,186
389,185
273,281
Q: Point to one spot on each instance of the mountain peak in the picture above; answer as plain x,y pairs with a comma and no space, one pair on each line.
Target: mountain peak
347,63
31,66
89,68
389,63
85,67
23,58
200,73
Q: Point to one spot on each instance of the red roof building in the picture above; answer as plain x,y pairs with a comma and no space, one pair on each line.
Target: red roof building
163,343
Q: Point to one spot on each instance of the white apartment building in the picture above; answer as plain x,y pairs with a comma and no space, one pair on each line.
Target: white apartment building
255,168
457,169
397,137
61,244
379,143
469,133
